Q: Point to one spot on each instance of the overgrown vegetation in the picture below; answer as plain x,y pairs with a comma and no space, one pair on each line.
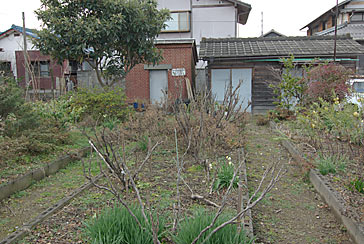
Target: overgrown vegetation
23,131
326,124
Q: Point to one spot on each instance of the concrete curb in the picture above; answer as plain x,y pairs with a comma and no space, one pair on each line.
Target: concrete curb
248,219
24,181
331,197
26,228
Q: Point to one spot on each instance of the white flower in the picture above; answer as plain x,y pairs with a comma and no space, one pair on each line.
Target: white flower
210,166
230,163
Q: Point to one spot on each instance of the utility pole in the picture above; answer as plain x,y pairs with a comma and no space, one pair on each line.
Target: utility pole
336,16
26,64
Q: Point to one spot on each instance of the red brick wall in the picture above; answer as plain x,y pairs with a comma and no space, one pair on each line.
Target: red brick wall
177,55
45,82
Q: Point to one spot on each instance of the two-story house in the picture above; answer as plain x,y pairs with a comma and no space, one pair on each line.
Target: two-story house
350,21
44,72
199,19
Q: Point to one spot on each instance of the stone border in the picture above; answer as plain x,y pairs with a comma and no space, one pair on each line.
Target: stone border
26,180
331,197
26,228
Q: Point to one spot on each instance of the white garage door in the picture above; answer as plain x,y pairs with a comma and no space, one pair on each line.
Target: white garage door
221,79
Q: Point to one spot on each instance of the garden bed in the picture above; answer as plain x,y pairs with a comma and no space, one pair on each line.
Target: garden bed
347,201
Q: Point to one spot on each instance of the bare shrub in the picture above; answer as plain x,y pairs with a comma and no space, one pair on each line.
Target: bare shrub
206,124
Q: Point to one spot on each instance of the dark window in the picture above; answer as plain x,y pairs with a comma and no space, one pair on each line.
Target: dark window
5,68
1,49
16,34
324,25
179,22
40,68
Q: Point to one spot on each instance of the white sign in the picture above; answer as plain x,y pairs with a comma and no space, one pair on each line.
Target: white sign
179,72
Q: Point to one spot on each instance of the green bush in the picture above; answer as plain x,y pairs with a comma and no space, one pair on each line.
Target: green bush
99,104
117,226
190,227
58,110
16,115
11,97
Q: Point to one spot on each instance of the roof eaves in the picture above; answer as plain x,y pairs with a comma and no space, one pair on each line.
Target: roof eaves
331,9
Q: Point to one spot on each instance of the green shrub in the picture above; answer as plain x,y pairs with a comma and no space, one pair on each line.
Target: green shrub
59,110
99,104
190,227
16,116
11,97
117,226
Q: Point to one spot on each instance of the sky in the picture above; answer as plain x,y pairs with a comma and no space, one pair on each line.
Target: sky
284,16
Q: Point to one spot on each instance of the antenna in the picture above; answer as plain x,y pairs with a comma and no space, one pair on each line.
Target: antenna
262,23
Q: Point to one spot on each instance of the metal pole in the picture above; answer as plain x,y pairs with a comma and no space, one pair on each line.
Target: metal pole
336,16
26,65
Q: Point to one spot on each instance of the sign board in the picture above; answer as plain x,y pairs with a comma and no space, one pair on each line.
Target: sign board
179,72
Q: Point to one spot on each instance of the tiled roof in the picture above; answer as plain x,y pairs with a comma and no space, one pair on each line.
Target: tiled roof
245,48
356,31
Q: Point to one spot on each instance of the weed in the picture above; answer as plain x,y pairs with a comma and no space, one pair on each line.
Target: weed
117,225
20,194
331,163
357,184
190,227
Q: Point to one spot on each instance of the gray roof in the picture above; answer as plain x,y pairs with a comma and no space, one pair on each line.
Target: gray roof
356,30
277,47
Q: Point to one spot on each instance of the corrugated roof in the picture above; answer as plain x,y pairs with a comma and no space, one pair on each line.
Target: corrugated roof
29,32
302,46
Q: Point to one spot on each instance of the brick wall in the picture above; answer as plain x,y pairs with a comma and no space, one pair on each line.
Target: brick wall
44,82
177,55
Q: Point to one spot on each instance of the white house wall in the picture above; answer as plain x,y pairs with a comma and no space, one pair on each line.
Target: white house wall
175,5
223,23
10,44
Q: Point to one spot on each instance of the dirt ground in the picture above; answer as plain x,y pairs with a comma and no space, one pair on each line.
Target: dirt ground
292,212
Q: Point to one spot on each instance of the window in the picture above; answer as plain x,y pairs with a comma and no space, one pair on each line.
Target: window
40,68
179,22
1,49
357,17
5,68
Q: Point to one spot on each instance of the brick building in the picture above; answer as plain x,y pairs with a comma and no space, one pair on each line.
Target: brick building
153,83
45,70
